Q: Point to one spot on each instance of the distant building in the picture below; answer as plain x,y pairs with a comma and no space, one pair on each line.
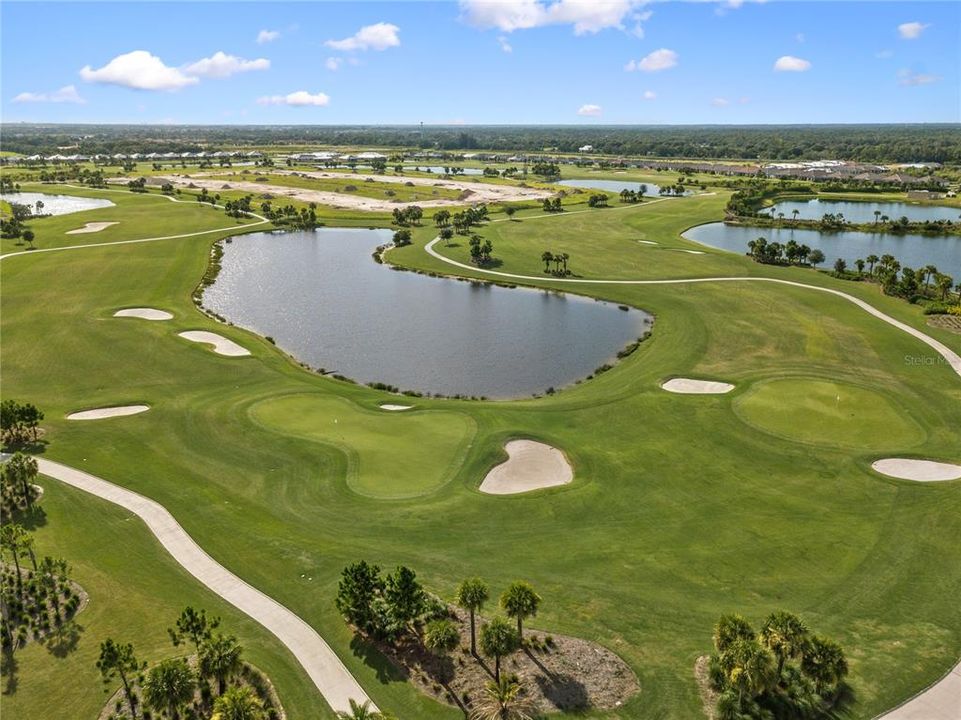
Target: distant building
924,195
585,148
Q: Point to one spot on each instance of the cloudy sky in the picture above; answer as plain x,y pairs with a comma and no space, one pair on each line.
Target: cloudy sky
482,61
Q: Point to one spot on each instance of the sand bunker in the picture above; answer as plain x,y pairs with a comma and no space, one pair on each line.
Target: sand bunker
688,386
689,252
530,466
388,406
474,192
647,242
222,346
920,470
90,227
144,314
108,412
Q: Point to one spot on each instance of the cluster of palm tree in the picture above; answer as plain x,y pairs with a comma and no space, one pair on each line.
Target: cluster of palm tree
790,253
18,492
19,422
559,260
207,685
410,215
633,196
290,216
907,282
238,208
782,671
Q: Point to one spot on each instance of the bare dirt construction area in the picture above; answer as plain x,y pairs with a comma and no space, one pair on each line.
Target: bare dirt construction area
558,673
945,322
470,192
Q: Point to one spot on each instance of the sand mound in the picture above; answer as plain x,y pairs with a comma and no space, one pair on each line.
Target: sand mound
222,346
144,314
688,386
530,466
90,227
920,470
389,406
108,412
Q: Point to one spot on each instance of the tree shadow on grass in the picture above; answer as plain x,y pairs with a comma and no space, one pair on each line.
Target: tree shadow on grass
374,659
64,641
32,518
8,668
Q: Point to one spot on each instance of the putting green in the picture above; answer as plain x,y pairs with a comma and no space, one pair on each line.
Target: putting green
381,460
828,413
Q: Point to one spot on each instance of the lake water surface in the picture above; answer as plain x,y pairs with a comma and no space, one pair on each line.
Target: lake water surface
863,212
942,251
57,204
324,300
611,185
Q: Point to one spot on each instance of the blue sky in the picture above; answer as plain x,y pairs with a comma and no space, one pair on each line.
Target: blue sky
477,61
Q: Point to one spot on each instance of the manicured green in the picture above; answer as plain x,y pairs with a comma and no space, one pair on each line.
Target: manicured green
679,511
828,413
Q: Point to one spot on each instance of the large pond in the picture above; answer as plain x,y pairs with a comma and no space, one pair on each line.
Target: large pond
942,251
56,204
652,190
323,299
862,212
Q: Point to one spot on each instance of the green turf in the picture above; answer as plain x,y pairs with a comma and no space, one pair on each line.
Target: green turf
381,462
679,510
828,413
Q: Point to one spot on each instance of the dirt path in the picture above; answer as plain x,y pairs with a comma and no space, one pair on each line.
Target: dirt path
951,357
328,673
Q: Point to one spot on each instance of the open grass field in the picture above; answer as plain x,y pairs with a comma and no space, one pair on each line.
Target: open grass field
679,509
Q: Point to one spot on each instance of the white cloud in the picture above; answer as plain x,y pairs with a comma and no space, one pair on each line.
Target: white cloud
66,94
505,45
799,37
589,110
656,61
650,95
266,36
221,65
789,63
911,30
301,98
379,36
909,78
333,63
884,54
587,16
720,102
138,70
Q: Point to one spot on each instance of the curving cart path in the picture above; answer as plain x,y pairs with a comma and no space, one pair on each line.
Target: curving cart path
941,701
328,673
951,357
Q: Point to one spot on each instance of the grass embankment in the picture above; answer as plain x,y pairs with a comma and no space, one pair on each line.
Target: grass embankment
679,510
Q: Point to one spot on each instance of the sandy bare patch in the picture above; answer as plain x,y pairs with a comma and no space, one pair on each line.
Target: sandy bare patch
108,412
144,314
530,466
689,386
689,252
920,470
471,192
90,227
647,242
222,346
395,408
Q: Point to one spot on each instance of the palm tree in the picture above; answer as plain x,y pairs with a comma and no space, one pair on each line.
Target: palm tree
13,538
547,257
749,667
929,272
872,260
220,659
729,629
471,595
441,636
824,663
520,601
498,639
169,686
943,283
503,700
877,214
361,711
116,659
859,264
564,258
239,703
784,634
795,212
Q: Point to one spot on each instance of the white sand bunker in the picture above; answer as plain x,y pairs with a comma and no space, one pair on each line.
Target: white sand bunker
90,227
530,466
222,346
689,252
920,470
395,408
144,314
647,242
108,412
689,386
